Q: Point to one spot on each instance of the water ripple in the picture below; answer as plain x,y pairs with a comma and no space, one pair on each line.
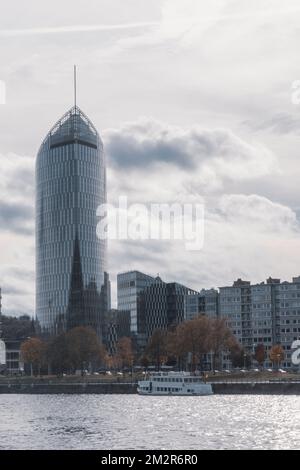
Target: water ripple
140,422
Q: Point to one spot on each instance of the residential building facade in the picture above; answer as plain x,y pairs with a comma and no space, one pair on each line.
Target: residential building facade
267,313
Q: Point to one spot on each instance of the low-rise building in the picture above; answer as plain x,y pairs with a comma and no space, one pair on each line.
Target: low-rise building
11,363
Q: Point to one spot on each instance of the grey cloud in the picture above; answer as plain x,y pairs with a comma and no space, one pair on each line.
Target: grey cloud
22,274
22,180
16,217
260,211
280,123
136,252
127,151
9,289
147,142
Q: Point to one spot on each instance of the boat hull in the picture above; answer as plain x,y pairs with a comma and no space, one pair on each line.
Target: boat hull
207,390
156,394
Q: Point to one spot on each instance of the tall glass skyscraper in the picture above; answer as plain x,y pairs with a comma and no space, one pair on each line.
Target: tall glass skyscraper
72,288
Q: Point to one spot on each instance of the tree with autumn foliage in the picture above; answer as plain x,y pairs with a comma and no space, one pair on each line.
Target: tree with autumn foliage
144,361
201,336
276,355
221,339
237,355
84,348
33,352
58,354
156,348
260,354
125,353
195,336
176,347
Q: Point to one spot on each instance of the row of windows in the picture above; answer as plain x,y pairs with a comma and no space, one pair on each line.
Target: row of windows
60,254
260,331
63,183
168,389
265,306
288,339
176,379
288,313
68,201
61,282
70,152
62,239
288,330
261,314
288,322
289,304
69,184
260,339
262,323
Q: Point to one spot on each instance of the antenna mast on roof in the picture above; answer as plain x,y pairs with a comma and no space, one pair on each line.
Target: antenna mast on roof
75,85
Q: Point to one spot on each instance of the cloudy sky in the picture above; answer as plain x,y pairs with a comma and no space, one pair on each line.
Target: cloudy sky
194,102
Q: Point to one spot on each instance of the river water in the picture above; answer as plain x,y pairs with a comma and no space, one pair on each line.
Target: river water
141,422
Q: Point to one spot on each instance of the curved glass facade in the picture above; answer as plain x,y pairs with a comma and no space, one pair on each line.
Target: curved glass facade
70,259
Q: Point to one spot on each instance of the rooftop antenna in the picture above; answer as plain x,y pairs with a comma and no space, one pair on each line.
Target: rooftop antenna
75,85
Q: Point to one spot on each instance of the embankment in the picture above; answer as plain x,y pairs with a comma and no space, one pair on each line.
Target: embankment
257,388
220,388
68,388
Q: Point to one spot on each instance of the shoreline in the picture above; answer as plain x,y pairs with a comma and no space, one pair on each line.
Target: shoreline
219,388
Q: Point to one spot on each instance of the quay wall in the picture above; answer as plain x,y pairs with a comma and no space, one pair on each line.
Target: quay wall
219,388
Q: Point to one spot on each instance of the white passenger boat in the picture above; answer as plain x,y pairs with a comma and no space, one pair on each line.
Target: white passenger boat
173,383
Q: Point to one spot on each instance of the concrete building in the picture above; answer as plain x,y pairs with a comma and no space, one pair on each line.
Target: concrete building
235,305
11,362
14,362
267,313
286,315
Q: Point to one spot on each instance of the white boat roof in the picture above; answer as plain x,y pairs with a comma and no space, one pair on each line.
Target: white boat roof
172,374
